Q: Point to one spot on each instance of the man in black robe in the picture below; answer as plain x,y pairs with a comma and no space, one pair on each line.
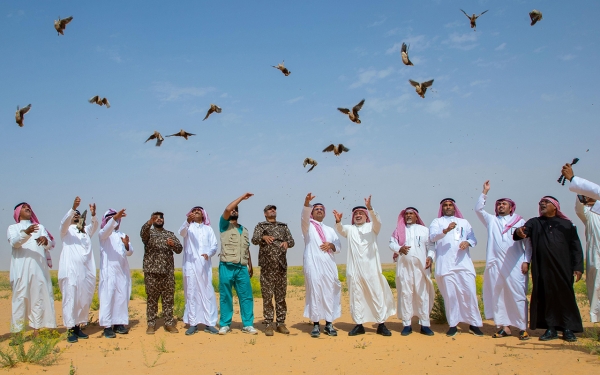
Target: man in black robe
557,258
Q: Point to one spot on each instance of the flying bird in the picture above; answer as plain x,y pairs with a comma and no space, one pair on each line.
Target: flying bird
213,108
182,133
310,161
60,25
404,53
421,88
283,69
159,138
20,114
100,101
81,222
353,115
337,150
535,16
473,19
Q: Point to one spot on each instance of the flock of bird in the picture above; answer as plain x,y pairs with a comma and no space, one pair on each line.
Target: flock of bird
420,88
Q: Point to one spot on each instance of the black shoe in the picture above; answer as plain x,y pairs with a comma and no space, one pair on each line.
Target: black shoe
109,333
406,331
426,331
357,330
316,331
71,336
476,331
79,333
120,329
329,330
569,336
383,331
550,334
452,332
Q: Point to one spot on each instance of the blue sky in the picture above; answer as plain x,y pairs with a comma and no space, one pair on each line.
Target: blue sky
510,103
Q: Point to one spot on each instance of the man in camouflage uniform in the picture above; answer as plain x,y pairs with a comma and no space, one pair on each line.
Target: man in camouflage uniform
159,270
273,239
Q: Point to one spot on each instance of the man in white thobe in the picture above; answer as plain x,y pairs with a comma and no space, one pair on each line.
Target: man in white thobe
413,253
77,269
454,270
199,245
589,213
323,287
32,297
506,275
371,299
114,289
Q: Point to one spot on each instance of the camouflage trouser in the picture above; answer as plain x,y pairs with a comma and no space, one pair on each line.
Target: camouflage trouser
159,285
273,281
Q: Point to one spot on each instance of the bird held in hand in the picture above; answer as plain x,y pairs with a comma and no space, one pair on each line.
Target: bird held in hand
310,161
283,69
20,114
213,108
473,19
337,150
421,88
80,224
182,133
60,25
159,138
353,115
404,53
535,16
100,101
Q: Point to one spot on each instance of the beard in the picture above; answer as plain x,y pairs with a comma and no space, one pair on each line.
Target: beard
233,217
158,226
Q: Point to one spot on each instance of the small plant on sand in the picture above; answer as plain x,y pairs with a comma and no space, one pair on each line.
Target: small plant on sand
390,276
41,351
161,346
438,313
362,344
72,369
591,340
147,362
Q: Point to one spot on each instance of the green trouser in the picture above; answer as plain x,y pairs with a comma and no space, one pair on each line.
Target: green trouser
235,275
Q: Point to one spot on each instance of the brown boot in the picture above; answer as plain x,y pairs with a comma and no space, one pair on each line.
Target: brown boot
150,330
171,329
281,328
269,329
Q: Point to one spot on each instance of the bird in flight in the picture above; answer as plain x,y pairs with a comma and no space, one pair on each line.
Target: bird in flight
404,54
353,115
310,161
213,108
337,150
60,25
159,138
100,101
421,88
283,69
182,133
535,16
20,114
473,19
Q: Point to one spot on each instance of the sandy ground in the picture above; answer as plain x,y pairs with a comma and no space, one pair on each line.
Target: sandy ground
298,353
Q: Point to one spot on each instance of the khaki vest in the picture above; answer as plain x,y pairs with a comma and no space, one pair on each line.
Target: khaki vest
235,247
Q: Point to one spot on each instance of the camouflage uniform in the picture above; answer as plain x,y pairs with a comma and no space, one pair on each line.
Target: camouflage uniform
273,267
159,271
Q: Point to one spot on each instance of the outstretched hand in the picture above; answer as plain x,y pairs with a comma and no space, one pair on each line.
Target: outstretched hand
246,196
486,187
93,209
309,197
521,232
76,203
338,216
368,203
567,171
119,215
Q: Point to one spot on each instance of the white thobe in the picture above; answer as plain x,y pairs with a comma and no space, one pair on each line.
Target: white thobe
200,298
323,286
32,297
454,270
114,289
371,299
413,282
76,270
591,220
504,285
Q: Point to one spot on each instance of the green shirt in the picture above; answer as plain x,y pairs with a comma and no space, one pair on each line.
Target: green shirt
224,224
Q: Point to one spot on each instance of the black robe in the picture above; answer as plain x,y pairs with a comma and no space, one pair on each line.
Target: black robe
557,253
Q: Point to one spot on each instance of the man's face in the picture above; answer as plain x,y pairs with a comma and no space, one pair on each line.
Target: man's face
448,208
318,213
547,208
159,221
198,216
359,217
234,214
503,208
25,213
271,213
410,217
76,218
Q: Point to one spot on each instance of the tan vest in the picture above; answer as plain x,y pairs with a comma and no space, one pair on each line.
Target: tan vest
235,247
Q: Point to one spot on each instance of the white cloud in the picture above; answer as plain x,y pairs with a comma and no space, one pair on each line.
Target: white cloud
378,23
567,57
539,49
500,47
499,64
419,40
169,92
548,97
465,41
481,82
295,100
382,105
224,95
454,24
371,75
112,53
18,13
439,108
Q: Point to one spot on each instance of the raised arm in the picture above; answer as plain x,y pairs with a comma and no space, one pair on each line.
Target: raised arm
92,227
183,230
108,229
338,224
234,204
66,222
374,215
306,211
584,187
145,232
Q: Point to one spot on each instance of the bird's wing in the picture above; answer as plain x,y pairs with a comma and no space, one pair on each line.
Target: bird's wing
329,148
427,84
151,137
469,17
65,21
218,109
404,49
210,110
344,110
24,110
357,107
311,168
341,148
305,162
178,134
105,102
159,141
482,13
94,99
188,134
414,83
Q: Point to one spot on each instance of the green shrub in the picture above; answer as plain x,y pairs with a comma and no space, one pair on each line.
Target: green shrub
390,276
580,287
438,313
255,283
55,287
138,291
479,288
42,350
179,305
296,280
95,305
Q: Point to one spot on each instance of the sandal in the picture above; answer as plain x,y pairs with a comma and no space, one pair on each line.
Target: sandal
500,334
523,336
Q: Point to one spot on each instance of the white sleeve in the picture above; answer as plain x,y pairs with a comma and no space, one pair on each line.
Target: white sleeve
305,220
336,242
376,221
436,232
66,223
430,247
584,187
16,237
470,235
341,229
580,210
108,229
93,227
183,231
394,246
483,216
130,251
